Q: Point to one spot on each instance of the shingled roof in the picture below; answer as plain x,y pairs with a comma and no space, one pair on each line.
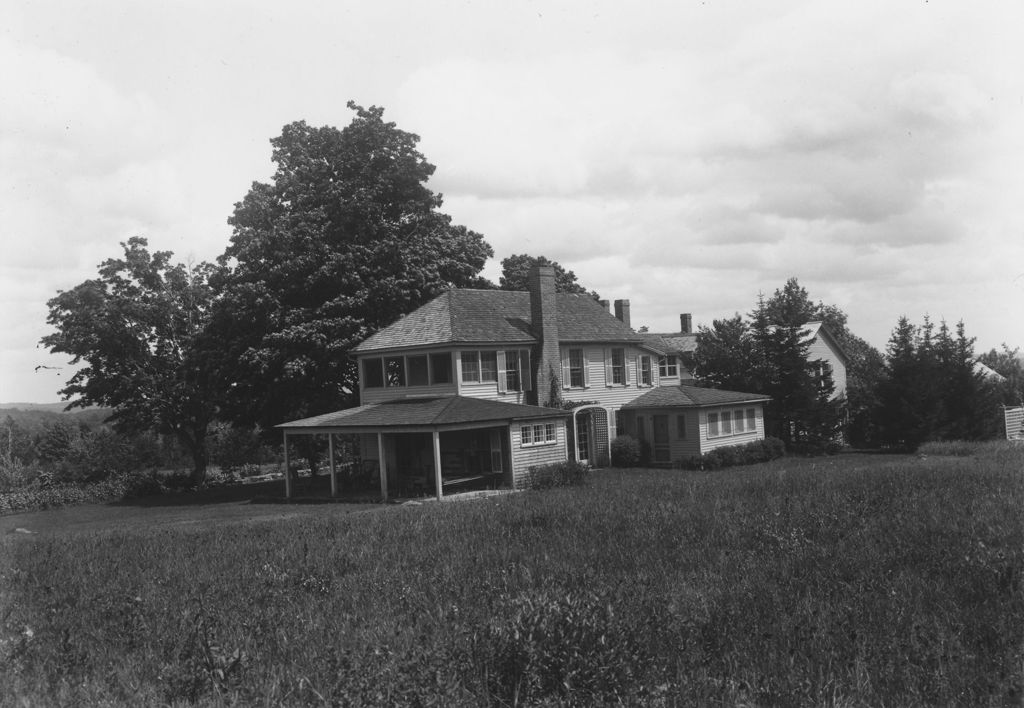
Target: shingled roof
692,397
497,316
424,412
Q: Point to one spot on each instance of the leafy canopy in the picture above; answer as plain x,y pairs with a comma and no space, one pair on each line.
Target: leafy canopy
138,330
515,272
345,239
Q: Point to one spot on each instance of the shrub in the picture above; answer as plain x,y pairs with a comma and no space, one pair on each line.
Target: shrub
749,454
559,474
625,451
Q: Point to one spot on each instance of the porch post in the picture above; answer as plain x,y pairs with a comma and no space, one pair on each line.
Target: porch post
287,470
575,437
437,465
511,458
383,466
334,467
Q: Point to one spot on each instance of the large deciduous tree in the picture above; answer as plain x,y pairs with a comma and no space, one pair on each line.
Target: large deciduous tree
138,329
345,239
515,273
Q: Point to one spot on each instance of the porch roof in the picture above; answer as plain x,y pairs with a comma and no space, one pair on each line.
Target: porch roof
425,412
692,397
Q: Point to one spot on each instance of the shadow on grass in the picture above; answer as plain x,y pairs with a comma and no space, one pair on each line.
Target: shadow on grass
306,490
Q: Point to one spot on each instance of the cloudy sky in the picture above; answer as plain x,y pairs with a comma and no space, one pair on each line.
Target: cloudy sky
683,155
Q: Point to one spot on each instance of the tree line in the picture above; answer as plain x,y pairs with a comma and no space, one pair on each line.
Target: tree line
926,386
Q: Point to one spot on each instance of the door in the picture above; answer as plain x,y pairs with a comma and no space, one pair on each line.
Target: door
583,436
662,450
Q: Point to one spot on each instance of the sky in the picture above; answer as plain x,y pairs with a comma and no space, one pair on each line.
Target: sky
685,156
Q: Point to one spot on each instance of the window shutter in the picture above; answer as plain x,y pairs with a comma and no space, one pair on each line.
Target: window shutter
525,371
502,387
586,368
566,380
607,367
636,374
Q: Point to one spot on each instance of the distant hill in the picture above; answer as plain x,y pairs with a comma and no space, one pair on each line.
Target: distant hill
52,407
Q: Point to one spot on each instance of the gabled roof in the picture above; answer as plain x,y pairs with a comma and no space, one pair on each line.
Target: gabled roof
424,412
692,397
497,316
674,342
817,329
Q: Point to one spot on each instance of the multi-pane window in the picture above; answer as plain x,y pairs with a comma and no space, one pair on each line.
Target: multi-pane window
538,434
577,370
412,370
646,375
681,426
713,425
668,366
732,422
470,367
488,366
479,367
511,372
618,366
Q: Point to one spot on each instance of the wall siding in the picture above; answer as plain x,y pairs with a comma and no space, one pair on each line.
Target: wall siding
820,349
599,391
523,458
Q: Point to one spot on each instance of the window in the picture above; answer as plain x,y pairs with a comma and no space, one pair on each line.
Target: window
646,375
489,366
470,367
713,425
726,423
821,370
511,372
539,434
417,366
751,420
668,366
441,368
617,366
577,369
394,371
681,427
513,368
737,421
640,428
373,373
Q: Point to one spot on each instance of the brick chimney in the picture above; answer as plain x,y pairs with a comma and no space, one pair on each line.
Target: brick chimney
686,323
544,322
606,305
622,311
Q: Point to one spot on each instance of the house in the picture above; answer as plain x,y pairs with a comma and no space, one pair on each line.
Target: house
824,350
478,387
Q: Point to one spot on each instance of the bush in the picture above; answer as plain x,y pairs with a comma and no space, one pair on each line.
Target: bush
749,454
625,451
560,474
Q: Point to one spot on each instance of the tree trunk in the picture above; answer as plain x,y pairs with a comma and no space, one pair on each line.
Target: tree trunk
196,445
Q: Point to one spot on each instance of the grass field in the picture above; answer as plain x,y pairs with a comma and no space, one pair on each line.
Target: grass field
856,580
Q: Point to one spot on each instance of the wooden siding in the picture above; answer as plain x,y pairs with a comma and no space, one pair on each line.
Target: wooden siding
523,458
820,349
1014,419
392,393
600,391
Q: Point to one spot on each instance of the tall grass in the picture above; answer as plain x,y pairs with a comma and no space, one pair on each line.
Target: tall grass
849,581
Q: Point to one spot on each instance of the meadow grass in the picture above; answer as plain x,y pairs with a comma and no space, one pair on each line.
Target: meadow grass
856,580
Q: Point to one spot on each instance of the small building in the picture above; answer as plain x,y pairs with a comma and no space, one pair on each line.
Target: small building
681,422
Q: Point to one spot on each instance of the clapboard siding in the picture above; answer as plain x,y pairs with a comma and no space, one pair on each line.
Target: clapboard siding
600,390
523,458
820,349
1014,418
708,443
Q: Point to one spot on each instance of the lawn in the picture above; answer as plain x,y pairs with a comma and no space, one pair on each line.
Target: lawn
855,580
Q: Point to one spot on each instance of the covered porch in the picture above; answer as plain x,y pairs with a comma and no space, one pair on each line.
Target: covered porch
431,446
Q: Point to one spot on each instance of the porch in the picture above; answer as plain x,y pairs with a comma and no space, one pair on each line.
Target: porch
431,446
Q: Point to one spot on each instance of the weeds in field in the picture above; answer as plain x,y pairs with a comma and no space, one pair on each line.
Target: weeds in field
849,580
